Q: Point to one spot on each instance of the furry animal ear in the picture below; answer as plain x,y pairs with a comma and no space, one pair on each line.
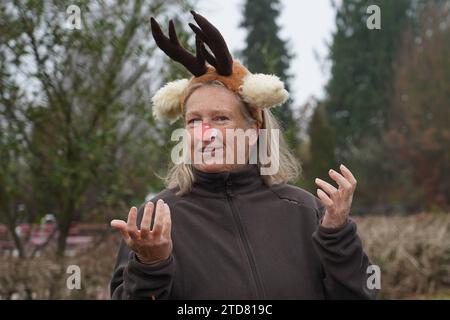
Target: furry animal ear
166,101
263,90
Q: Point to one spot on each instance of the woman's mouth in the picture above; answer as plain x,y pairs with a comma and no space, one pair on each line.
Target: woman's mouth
210,150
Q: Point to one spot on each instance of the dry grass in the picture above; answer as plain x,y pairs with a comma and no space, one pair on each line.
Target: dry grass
413,253
44,277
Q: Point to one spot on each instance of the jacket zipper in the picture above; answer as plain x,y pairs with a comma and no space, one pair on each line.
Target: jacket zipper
259,288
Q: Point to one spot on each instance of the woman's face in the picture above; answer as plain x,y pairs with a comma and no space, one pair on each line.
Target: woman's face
210,111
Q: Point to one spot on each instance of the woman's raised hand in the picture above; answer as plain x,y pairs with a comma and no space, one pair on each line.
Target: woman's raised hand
150,245
337,200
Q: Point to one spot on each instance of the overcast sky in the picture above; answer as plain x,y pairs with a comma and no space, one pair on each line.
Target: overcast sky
307,24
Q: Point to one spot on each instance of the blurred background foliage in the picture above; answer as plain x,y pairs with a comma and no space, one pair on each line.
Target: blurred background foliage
77,138
388,106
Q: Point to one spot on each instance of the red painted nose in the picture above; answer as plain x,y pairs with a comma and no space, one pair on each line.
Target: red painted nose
205,131
205,126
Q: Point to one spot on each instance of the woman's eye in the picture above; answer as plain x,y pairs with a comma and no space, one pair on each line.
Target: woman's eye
194,121
220,118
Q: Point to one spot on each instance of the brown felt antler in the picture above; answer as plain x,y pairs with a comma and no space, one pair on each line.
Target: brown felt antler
172,47
222,59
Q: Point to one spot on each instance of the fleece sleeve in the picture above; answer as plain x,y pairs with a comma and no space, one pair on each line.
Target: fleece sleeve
344,262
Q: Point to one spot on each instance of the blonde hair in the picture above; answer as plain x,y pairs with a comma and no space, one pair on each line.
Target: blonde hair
289,169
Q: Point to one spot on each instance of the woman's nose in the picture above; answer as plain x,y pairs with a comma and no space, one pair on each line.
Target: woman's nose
206,132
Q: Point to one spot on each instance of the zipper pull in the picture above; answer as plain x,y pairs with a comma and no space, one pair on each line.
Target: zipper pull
228,187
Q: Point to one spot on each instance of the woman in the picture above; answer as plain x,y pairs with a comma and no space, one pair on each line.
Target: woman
224,230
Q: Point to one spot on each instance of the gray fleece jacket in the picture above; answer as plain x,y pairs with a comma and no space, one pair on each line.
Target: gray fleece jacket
236,238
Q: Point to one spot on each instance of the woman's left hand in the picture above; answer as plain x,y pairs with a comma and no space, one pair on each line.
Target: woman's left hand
337,201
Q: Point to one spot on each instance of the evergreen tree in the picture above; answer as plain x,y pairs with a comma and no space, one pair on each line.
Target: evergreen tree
360,86
368,68
266,52
321,148
360,90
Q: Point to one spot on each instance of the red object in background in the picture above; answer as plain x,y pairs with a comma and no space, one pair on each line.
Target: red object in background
3,230
74,229
80,234
24,228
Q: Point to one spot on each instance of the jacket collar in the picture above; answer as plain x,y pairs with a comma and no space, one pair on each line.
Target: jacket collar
231,183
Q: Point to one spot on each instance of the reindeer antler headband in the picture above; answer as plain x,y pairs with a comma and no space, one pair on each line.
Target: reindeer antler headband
257,90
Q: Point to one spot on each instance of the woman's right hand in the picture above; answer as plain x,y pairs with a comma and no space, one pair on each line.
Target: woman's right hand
150,246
